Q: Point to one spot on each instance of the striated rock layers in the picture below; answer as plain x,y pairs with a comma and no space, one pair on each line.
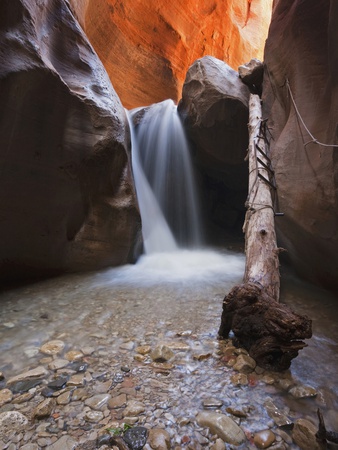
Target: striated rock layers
214,109
147,47
66,197
302,48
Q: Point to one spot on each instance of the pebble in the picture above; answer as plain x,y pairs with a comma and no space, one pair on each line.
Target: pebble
93,416
278,416
6,396
44,409
244,364
159,439
134,408
303,391
98,402
136,437
11,422
212,403
38,372
64,443
239,379
218,445
52,347
74,355
264,438
222,425
118,401
143,349
161,353
127,346
64,398
304,435
58,364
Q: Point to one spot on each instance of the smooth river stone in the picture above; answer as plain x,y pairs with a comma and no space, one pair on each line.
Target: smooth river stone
222,425
52,347
34,373
5,396
263,439
97,402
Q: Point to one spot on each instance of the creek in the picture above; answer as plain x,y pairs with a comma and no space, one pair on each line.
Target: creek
171,296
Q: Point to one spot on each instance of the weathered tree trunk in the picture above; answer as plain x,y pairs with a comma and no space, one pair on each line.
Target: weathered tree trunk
270,331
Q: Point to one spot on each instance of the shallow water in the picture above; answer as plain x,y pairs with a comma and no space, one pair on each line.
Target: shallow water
155,300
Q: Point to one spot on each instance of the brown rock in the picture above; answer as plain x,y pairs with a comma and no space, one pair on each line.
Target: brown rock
160,40
214,107
5,396
159,439
244,364
44,409
263,439
67,198
304,435
305,174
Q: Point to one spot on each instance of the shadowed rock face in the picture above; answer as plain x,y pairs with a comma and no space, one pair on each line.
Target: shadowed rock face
147,47
214,109
66,197
302,47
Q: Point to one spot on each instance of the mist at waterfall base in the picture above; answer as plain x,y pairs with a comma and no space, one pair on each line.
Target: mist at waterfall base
166,193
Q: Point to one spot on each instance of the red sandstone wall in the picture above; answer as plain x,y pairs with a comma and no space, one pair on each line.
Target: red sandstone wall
147,47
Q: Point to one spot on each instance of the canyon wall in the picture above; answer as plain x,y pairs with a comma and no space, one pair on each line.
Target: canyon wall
147,47
67,200
302,53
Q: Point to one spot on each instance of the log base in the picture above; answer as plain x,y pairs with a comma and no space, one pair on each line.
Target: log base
268,330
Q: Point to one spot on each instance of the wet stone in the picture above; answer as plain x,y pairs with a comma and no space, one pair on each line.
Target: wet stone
236,412
58,364
76,380
36,373
74,355
218,445
78,366
97,402
239,379
64,398
161,353
118,401
24,385
303,392
58,383
64,443
127,345
143,349
244,364
94,416
278,416
159,439
44,409
263,439
212,403
136,437
11,422
5,396
54,347
304,435
222,425
134,408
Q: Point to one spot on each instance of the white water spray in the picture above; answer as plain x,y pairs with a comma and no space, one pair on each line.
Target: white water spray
164,179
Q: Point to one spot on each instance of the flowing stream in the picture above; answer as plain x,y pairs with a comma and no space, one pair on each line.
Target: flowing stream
173,295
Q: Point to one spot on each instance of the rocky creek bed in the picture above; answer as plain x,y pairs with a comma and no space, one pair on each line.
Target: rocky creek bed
84,357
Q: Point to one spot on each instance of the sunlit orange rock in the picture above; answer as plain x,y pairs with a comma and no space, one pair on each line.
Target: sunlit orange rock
147,47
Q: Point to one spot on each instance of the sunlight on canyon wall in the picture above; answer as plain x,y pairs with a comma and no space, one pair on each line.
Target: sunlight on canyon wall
147,47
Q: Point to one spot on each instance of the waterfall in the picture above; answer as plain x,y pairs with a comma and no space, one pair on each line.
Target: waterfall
164,179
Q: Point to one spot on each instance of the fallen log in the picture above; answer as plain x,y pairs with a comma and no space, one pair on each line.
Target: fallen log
269,330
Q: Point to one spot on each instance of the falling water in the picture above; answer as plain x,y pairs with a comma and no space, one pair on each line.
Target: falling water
164,179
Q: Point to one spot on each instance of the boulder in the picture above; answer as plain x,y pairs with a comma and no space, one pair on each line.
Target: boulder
302,53
214,110
67,200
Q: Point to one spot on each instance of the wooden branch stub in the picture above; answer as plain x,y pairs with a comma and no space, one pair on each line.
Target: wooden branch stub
268,330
